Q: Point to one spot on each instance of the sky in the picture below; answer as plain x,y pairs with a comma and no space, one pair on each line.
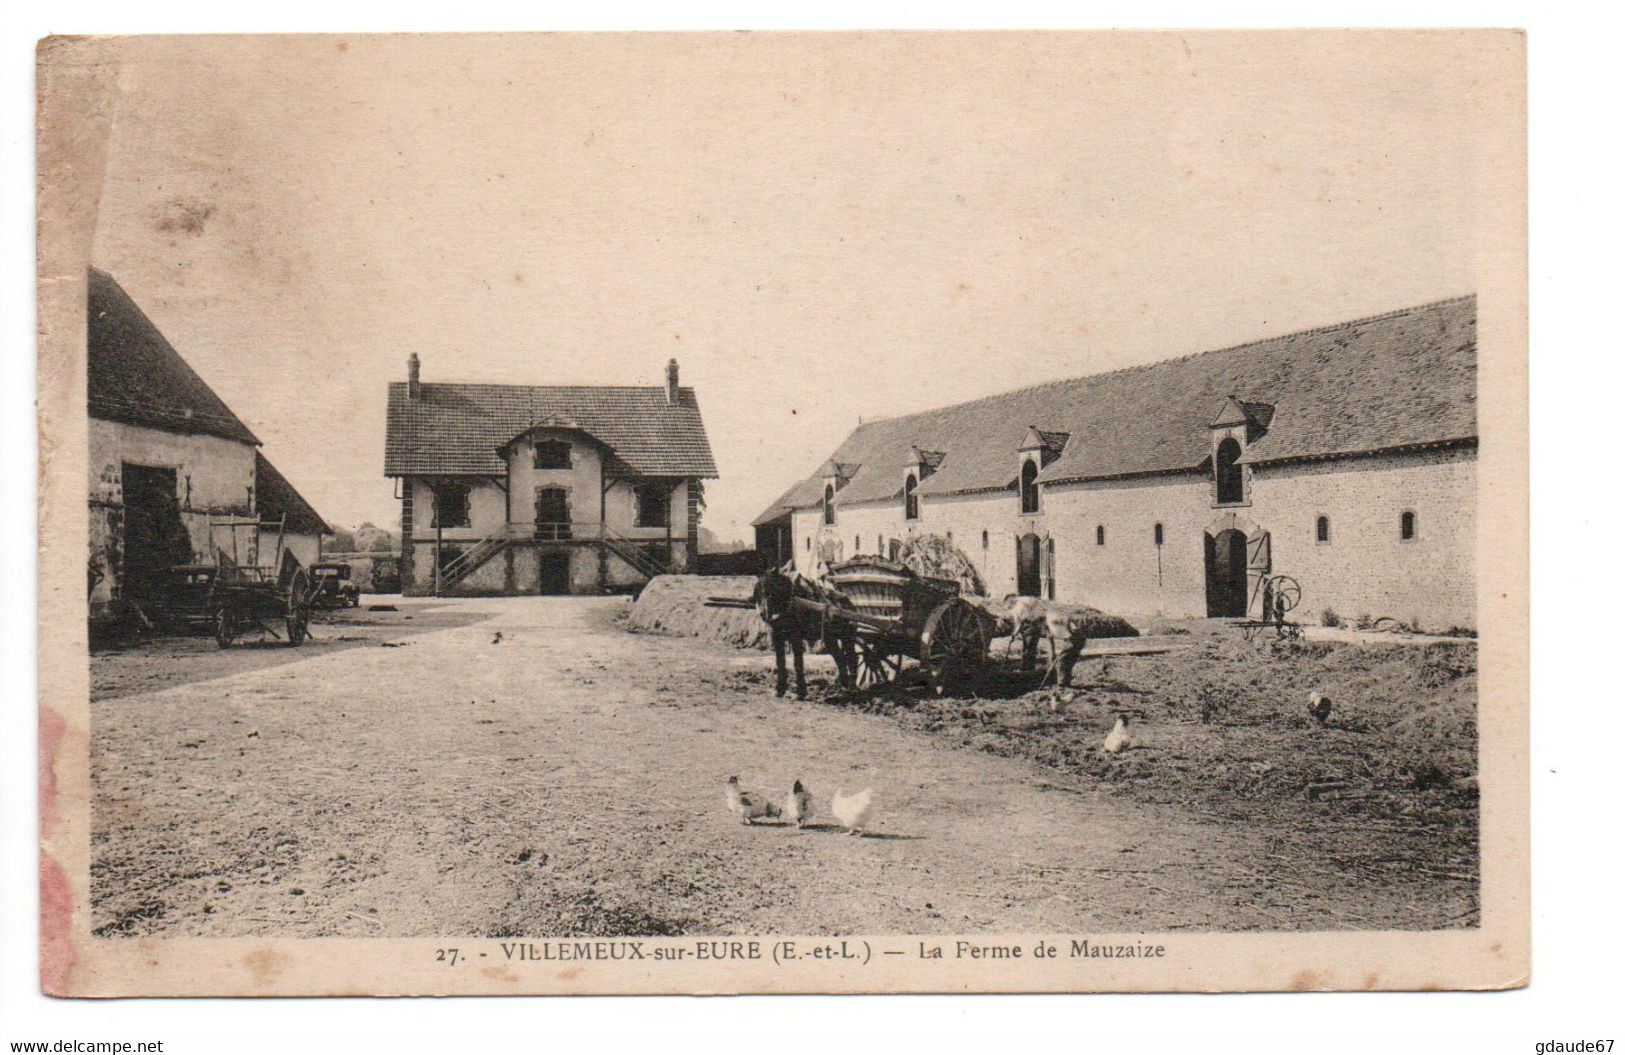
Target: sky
821,228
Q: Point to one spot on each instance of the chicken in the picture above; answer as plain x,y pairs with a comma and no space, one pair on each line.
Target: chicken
1118,739
750,806
853,811
1320,707
798,805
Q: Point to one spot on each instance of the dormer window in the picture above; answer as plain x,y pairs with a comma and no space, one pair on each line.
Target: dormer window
1239,424
1038,449
1029,486
552,454
836,475
917,465
1228,485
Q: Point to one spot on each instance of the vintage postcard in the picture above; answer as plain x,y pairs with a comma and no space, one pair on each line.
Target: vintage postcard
783,512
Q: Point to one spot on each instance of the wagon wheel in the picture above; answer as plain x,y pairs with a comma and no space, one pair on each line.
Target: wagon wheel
873,670
298,611
953,647
225,627
1286,591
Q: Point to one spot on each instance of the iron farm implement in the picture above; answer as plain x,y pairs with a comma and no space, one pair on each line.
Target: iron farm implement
1280,595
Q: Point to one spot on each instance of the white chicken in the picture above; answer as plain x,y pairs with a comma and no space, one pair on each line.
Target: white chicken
750,806
798,805
1118,739
853,811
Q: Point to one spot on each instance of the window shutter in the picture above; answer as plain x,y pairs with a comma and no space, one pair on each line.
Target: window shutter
1258,552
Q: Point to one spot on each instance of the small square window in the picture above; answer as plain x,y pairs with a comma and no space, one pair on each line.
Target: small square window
450,506
653,506
552,454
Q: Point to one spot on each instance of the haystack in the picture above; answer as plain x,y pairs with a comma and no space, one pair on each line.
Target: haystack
936,557
675,605
1091,621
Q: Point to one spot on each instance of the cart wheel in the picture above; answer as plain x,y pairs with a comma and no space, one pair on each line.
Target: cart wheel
953,648
298,611
225,627
872,668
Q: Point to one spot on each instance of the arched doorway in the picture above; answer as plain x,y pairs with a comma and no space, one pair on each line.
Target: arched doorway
1226,564
1029,572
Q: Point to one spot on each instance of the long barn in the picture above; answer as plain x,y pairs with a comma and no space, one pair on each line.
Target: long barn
1344,456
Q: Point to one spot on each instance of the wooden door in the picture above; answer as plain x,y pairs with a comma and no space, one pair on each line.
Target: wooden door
1258,567
555,572
1225,558
1029,573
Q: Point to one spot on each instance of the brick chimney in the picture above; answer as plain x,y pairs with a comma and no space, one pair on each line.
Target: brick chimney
413,388
671,382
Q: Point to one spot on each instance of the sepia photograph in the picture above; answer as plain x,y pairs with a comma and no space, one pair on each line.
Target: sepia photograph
784,512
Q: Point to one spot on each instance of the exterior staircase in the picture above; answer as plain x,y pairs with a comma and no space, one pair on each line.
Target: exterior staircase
472,560
648,566
478,555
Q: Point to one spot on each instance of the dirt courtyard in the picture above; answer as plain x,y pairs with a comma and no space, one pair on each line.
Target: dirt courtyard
524,766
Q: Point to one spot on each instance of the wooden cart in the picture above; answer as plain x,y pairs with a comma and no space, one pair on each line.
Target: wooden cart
897,614
245,599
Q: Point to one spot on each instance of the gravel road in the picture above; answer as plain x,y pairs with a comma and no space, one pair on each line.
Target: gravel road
522,766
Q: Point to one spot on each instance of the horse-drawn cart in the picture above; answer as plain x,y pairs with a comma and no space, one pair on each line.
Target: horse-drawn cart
871,614
244,599
898,614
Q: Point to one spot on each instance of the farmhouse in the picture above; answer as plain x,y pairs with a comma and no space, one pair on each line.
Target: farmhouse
524,489
1343,456
175,476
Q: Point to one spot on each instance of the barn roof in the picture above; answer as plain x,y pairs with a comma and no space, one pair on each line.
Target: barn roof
459,428
274,496
783,506
135,375
1394,381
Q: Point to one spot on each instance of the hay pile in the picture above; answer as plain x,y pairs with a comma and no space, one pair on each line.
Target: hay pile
935,557
675,605
1097,624
1094,622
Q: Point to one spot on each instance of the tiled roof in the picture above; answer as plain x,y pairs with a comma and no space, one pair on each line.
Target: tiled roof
136,376
1404,379
782,507
458,428
274,496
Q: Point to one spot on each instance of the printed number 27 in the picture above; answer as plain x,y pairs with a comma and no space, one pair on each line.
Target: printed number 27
446,956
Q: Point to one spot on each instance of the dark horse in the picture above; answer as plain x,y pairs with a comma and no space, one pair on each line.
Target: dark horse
789,623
